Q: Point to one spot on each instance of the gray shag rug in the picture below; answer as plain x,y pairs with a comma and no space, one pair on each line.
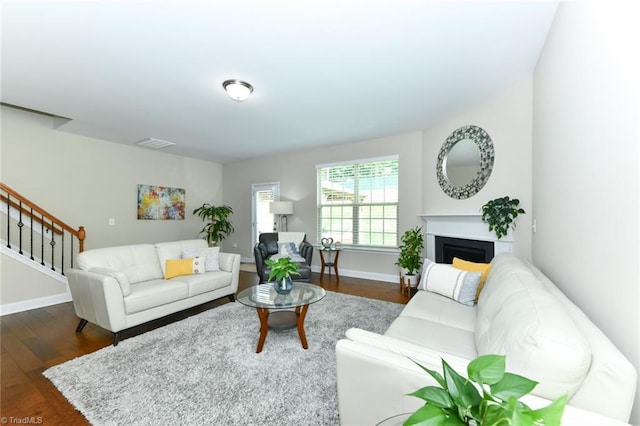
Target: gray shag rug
204,369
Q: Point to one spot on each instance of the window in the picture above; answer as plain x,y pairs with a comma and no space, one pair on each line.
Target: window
358,202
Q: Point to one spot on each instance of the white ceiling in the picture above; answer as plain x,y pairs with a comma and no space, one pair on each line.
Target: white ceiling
324,72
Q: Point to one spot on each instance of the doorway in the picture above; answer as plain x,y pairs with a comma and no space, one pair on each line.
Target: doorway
262,194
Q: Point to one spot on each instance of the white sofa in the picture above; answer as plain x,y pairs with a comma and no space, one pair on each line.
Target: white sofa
121,287
521,314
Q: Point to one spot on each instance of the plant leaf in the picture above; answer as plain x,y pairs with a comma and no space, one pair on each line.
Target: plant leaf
463,392
434,395
512,385
428,415
436,376
487,369
494,415
551,414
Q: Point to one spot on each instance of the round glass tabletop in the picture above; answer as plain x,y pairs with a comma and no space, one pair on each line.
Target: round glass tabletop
265,296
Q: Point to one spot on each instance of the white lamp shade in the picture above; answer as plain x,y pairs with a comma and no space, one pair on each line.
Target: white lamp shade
281,207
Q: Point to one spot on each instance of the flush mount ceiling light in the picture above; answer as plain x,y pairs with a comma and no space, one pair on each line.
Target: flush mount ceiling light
238,90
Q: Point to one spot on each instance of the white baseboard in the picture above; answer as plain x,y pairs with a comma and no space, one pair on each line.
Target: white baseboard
390,278
41,302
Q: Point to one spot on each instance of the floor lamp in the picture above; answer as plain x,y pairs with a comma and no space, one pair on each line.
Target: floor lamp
282,209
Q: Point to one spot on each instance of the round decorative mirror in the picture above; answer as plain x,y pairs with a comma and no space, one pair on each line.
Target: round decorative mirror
465,162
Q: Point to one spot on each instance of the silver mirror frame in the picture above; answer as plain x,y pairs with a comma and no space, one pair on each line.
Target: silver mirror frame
487,154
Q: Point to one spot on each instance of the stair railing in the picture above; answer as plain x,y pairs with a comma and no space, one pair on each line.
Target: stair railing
20,213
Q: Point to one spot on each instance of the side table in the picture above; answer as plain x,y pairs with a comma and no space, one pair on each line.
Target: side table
331,261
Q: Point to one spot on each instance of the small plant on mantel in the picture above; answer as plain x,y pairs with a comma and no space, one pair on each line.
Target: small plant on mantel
501,214
490,397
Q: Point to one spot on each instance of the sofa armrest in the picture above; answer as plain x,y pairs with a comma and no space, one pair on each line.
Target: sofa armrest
230,262
119,276
377,372
97,298
373,383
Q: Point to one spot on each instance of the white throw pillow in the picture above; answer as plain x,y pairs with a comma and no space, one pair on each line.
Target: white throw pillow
451,282
199,264
211,256
288,248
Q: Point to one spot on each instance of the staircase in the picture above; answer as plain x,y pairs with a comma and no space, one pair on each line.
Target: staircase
42,246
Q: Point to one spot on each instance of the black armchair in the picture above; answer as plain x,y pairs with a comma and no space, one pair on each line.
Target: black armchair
267,246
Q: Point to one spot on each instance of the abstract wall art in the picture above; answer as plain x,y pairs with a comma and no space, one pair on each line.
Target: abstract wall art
160,203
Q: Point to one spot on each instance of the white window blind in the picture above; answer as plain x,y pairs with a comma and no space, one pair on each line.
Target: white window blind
358,202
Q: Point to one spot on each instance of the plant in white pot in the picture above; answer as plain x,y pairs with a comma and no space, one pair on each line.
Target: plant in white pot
410,259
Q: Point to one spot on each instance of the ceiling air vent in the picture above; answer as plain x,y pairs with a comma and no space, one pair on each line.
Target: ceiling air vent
154,143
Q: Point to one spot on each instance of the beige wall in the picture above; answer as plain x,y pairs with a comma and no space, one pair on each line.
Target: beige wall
296,174
506,117
33,284
86,181
586,177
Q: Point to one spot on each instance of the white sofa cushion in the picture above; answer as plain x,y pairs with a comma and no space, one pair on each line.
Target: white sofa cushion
519,318
434,307
138,262
202,283
436,336
174,249
152,293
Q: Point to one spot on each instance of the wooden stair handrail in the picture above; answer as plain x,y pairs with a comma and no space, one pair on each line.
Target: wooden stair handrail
38,219
80,233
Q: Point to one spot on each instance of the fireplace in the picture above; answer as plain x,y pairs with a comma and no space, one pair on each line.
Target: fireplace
472,250
464,227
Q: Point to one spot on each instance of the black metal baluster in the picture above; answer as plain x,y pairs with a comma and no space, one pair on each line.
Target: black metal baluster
8,220
42,239
31,249
52,243
62,254
71,251
20,225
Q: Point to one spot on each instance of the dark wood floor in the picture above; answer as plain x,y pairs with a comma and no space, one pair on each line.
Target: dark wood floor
35,340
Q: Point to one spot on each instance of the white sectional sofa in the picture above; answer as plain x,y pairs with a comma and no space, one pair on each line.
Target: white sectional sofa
121,287
521,314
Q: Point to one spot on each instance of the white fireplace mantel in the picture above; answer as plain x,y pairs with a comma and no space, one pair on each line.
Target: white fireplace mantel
469,227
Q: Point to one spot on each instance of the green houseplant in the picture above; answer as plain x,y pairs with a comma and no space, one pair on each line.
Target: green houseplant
281,270
501,214
411,246
489,397
218,226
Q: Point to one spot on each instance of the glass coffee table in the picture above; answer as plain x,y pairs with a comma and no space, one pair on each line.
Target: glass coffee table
275,310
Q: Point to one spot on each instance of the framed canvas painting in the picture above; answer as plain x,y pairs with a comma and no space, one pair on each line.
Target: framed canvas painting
160,202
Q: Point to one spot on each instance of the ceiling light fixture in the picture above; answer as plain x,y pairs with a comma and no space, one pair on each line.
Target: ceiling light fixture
238,90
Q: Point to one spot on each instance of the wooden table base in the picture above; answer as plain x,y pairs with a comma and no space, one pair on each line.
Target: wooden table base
282,320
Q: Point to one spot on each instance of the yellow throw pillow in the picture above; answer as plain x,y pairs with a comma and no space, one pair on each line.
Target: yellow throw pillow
465,265
177,267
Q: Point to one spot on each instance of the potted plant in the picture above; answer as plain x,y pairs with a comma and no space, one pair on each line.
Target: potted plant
489,397
219,226
281,270
410,259
500,214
